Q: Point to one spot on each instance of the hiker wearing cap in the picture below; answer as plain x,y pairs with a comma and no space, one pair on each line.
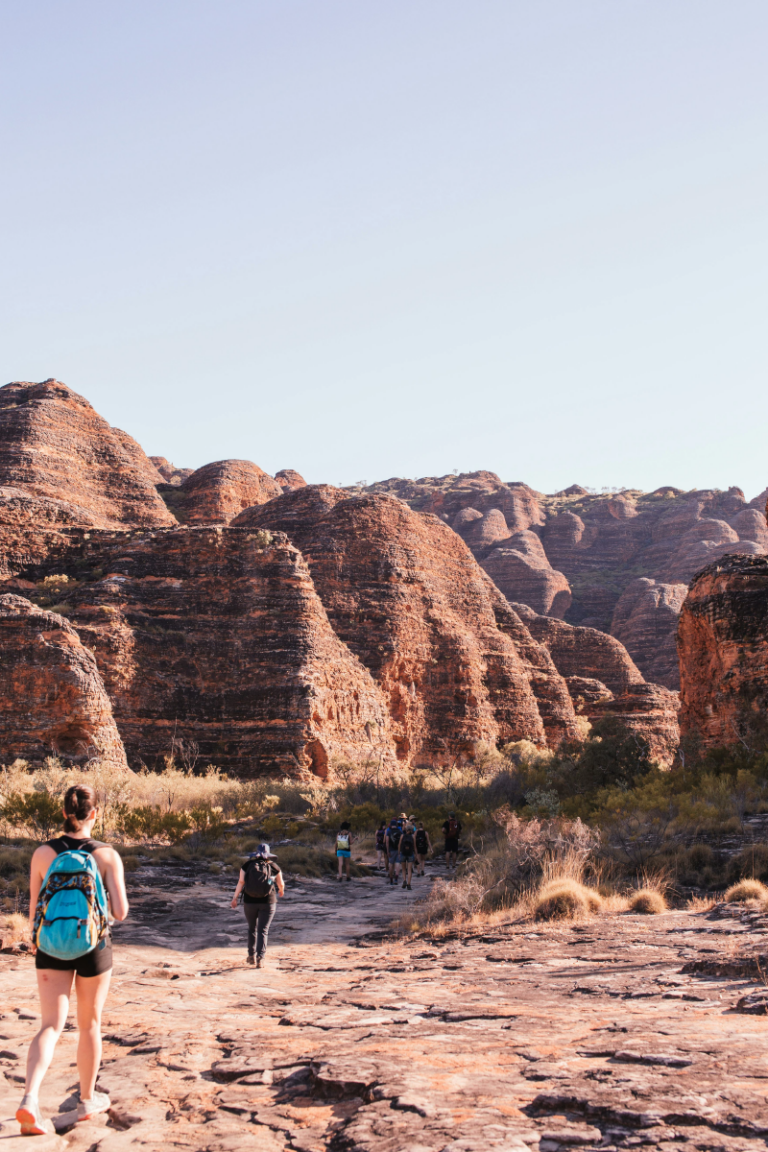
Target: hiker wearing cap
261,882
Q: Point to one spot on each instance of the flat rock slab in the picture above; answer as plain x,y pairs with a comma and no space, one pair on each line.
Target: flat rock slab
614,1034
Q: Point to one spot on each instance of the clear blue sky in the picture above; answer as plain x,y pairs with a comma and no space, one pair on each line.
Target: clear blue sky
364,239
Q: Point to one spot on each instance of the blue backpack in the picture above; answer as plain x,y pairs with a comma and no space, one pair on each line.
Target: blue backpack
71,913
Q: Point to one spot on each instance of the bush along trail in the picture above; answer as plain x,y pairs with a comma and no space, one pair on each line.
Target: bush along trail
608,1031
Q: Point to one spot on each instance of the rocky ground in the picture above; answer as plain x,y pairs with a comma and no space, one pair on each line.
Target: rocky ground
613,1033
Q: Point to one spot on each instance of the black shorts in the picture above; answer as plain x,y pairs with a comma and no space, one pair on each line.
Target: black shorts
94,963
452,844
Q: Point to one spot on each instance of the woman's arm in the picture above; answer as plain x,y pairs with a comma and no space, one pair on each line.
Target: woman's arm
238,890
115,882
41,861
279,883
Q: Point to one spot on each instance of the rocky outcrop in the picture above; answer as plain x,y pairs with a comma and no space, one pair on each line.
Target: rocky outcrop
169,473
289,480
217,637
31,527
456,664
649,710
218,492
602,679
52,699
645,621
723,650
53,445
521,571
593,547
583,651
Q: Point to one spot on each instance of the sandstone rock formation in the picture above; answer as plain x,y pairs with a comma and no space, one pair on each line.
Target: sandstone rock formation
645,621
55,446
217,492
289,479
31,527
583,651
455,663
169,472
52,699
602,680
723,648
217,636
593,548
649,710
520,569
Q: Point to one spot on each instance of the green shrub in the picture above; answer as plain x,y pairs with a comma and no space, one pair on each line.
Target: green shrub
38,811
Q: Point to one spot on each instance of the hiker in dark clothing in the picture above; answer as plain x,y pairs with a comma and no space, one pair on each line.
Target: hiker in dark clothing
451,831
406,853
261,881
381,848
392,840
423,846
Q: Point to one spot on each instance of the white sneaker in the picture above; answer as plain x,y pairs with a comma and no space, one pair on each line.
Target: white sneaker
31,1121
87,1109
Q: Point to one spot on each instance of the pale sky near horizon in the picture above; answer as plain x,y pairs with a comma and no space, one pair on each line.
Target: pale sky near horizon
369,239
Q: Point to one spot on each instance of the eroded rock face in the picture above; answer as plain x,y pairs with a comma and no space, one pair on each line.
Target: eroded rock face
583,651
602,679
31,527
169,473
289,479
218,492
723,649
52,699
594,547
521,571
645,621
218,636
649,710
53,445
456,664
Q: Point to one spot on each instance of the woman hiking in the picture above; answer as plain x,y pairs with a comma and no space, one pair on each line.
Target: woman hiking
344,848
70,874
262,880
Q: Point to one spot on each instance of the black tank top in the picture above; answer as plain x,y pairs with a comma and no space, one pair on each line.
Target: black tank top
67,843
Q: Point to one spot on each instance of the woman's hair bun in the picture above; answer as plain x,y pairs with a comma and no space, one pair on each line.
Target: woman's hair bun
79,802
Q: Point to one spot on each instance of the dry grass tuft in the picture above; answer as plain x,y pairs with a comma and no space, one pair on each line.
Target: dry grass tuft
746,890
14,929
565,898
701,903
648,901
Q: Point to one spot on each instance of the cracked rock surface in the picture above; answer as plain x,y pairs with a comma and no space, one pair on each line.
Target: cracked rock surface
614,1033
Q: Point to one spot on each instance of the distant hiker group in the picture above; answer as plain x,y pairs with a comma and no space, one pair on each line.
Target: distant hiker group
403,846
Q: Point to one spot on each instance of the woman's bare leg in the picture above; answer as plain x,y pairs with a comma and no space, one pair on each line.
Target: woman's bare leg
91,995
55,988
